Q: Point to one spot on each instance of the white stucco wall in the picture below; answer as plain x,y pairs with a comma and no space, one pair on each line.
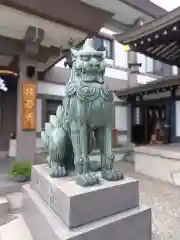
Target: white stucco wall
121,122
177,93
47,89
121,118
143,79
116,73
120,56
50,89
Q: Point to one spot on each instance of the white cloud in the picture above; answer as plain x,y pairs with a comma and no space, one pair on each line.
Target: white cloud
167,4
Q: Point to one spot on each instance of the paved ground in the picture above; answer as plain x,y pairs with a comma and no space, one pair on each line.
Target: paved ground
164,200
7,185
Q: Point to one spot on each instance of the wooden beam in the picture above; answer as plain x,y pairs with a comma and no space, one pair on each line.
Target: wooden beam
14,47
34,35
10,46
71,13
13,65
47,52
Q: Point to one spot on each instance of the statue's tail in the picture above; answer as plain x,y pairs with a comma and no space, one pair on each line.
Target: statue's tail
56,138
45,139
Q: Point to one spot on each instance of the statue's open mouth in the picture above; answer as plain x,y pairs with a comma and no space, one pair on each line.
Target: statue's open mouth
100,81
93,78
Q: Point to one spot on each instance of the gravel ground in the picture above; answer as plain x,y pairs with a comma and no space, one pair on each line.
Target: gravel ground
163,198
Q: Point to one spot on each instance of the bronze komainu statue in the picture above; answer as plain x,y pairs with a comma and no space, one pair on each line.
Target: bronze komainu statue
86,114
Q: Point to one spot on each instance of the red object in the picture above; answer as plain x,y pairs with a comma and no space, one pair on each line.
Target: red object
115,136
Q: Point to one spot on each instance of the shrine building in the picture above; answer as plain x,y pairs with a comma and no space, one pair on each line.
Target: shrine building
154,106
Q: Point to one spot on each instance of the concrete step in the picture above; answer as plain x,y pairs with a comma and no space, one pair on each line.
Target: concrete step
43,223
3,206
16,230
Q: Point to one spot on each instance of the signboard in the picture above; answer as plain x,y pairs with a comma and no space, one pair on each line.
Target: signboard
29,106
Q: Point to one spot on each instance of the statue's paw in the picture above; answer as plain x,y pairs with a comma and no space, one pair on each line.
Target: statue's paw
112,175
87,179
54,173
62,171
93,178
58,172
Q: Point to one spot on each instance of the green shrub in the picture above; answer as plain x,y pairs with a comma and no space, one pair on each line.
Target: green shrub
20,168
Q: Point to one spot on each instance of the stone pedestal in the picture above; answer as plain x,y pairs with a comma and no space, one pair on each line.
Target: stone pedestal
165,162
58,209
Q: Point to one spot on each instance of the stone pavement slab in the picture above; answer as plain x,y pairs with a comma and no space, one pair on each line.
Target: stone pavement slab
163,198
16,230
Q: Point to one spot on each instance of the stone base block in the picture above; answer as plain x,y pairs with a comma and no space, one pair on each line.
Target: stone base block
43,224
164,164
76,205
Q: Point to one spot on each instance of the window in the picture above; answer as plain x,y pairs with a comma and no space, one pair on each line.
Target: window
174,70
149,65
137,116
101,44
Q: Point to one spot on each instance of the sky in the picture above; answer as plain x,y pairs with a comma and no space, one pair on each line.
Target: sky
168,5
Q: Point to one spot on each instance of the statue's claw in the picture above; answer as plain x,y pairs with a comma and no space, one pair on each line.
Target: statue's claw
112,175
94,178
88,179
62,171
58,171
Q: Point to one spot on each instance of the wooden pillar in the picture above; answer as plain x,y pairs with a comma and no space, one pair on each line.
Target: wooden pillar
26,112
26,97
129,119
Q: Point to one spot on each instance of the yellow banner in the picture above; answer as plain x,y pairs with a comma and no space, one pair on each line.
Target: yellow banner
29,106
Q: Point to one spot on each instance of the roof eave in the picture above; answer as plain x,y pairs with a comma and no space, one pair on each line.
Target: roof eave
150,27
162,83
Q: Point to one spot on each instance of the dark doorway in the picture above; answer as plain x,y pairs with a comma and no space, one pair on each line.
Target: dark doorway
52,106
138,125
148,119
156,119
